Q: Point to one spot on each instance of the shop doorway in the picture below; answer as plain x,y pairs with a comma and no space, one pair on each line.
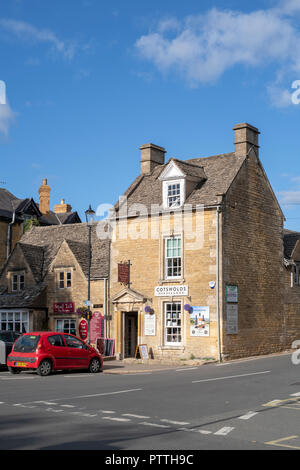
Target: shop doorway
130,325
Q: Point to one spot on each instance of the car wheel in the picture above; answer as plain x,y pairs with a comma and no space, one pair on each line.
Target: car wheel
14,370
45,368
95,365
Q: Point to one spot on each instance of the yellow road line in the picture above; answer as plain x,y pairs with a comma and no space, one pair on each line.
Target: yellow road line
278,442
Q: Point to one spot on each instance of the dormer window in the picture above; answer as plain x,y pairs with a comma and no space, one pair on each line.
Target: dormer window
174,197
179,179
17,282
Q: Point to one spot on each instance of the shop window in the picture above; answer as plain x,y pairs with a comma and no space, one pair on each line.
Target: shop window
66,325
14,321
172,323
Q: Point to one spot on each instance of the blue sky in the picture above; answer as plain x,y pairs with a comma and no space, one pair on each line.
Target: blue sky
89,81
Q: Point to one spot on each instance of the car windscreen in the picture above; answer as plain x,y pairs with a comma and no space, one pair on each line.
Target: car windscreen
26,343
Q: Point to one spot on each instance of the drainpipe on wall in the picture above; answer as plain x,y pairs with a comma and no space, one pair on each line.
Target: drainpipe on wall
218,282
9,234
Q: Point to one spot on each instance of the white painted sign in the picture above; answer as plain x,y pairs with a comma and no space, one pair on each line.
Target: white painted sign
149,324
169,291
232,319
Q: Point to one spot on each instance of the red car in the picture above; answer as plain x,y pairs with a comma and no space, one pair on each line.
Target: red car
47,351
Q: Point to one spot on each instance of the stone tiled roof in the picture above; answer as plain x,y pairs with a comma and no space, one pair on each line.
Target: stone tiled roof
76,235
290,239
215,175
26,298
34,256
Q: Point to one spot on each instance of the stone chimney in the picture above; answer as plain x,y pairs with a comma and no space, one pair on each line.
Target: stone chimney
151,156
246,136
44,200
62,208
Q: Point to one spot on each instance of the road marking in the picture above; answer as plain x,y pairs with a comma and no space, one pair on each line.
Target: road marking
187,368
117,419
201,431
295,394
180,423
231,377
248,415
17,378
278,442
224,431
80,413
105,394
145,423
54,411
46,403
68,406
107,412
136,416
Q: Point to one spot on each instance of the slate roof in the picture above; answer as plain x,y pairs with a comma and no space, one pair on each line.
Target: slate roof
290,239
10,204
49,239
215,173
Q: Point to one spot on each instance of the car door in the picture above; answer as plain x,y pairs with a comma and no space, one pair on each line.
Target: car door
78,352
57,348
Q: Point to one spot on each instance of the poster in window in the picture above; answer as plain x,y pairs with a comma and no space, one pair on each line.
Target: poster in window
199,321
149,324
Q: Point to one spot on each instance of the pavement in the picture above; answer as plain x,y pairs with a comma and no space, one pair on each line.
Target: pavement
136,366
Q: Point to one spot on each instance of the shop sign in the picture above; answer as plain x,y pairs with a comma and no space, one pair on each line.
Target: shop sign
232,294
199,321
63,307
96,327
232,319
124,273
169,291
83,329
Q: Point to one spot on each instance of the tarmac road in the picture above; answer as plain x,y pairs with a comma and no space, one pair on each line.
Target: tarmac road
249,404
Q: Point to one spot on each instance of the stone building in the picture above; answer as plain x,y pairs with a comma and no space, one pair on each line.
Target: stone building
192,262
45,279
15,213
204,240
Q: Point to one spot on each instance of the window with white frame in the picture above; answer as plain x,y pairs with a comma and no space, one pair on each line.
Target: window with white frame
14,321
173,193
172,325
64,279
66,325
173,197
173,257
17,282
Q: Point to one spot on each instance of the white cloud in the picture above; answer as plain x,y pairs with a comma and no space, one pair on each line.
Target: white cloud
7,117
201,48
289,197
28,32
